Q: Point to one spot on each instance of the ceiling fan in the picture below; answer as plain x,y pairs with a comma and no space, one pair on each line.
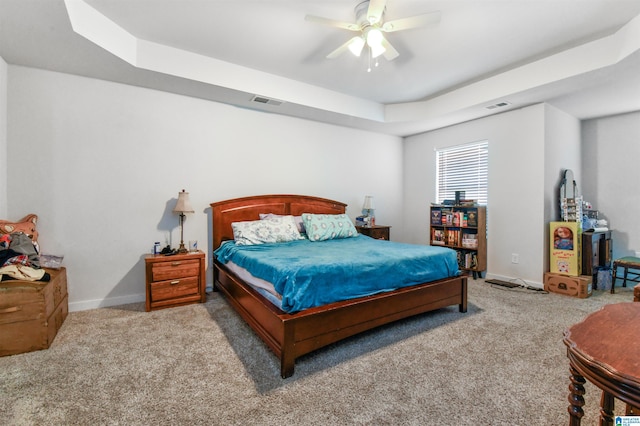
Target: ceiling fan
370,26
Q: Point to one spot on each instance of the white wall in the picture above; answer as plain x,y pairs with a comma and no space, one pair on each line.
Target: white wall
3,139
611,176
519,189
102,164
562,152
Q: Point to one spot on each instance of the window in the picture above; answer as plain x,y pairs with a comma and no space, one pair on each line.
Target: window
463,168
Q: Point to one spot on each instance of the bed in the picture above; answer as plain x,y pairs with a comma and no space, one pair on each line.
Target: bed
291,335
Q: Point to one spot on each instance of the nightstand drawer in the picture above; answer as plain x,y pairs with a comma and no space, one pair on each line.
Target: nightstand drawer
172,289
175,269
174,280
379,232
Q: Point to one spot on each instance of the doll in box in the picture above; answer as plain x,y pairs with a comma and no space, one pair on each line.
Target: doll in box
563,238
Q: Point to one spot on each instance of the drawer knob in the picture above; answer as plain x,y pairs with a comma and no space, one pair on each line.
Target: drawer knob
11,309
175,282
175,263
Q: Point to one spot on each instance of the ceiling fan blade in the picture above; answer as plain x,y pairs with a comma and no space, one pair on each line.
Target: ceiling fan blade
375,11
332,23
390,53
344,47
412,22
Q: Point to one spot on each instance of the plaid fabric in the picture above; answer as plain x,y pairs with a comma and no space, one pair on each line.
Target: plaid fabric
21,259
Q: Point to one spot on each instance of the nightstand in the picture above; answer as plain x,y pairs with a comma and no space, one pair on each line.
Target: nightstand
379,232
175,280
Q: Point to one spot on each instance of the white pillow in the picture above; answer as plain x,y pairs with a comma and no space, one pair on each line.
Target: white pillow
298,220
277,229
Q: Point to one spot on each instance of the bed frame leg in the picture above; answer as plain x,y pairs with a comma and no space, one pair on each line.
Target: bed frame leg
463,304
287,354
286,368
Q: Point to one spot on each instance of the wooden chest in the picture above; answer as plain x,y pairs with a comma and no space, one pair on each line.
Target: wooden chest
32,312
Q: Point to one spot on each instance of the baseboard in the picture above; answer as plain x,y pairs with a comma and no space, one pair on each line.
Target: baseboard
113,301
105,303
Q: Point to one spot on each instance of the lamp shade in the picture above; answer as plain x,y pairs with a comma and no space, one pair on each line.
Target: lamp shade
374,40
183,205
355,45
368,203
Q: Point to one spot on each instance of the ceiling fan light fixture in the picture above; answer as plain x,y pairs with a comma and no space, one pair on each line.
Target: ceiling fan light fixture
374,37
370,25
377,50
356,46
374,41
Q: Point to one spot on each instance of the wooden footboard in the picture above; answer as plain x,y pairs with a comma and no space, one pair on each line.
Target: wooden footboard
292,335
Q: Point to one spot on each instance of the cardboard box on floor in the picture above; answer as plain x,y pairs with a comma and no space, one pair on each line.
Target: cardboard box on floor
580,286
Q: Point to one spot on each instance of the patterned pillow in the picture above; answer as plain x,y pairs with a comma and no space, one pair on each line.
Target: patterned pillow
270,230
321,227
297,219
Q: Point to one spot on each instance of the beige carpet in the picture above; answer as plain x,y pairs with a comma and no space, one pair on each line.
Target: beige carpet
501,363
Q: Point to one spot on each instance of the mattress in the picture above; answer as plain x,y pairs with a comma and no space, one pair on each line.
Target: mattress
304,274
261,286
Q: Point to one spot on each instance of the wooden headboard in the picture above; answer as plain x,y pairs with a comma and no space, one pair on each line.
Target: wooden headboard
249,208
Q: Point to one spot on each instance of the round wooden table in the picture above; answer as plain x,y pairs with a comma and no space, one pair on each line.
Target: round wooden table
605,349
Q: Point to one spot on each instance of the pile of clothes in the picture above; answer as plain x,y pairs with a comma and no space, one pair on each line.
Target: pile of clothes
19,259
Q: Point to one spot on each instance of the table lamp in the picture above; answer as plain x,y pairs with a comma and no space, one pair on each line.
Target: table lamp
368,210
182,206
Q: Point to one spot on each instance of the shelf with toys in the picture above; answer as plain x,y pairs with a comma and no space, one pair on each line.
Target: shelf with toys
464,229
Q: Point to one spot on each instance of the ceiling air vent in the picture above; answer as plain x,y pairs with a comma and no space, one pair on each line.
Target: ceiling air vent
266,101
498,105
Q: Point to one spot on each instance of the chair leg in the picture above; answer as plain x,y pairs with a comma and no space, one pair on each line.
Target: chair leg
613,279
624,282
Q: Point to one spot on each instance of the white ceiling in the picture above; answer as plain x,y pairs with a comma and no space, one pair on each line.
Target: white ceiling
582,56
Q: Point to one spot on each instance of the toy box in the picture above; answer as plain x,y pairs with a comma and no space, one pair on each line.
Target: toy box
565,250
580,286
32,312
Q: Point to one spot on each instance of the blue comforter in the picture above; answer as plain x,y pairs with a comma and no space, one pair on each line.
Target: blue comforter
309,274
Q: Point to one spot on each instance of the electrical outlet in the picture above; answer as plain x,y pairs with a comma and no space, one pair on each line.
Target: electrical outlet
515,258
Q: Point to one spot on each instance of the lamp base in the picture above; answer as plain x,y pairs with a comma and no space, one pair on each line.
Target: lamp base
182,248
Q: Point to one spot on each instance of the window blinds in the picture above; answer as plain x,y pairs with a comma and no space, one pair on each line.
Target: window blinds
463,168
